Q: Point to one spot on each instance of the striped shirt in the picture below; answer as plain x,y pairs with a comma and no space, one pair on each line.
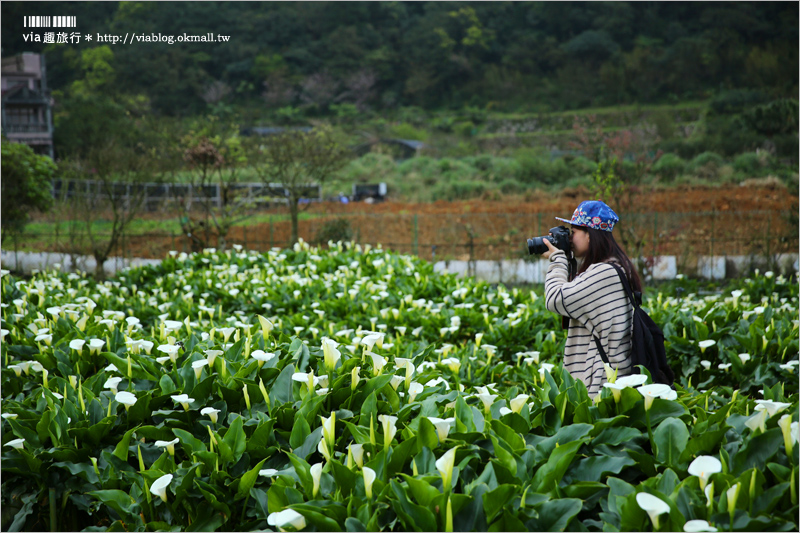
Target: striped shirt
596,304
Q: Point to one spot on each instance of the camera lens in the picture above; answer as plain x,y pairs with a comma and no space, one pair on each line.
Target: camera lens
537,245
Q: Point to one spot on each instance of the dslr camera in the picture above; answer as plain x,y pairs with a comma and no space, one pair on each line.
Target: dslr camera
559,237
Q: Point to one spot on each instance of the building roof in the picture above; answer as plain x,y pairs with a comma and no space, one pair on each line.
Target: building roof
21,94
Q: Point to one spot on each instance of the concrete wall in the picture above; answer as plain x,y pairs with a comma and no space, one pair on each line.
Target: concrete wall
508,271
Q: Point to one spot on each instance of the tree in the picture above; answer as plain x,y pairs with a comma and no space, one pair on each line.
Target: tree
215,157
113,176
298,160
26,186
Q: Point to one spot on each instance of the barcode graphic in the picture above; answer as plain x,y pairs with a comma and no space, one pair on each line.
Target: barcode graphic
49,22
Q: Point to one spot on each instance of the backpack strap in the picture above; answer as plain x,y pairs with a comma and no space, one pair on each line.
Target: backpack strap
627,286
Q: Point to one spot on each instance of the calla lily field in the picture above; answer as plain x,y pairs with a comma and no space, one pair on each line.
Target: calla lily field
348,388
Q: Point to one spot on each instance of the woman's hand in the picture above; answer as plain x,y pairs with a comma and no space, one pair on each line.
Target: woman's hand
550,248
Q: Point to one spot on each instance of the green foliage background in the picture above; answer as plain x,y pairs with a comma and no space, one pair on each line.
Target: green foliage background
533,56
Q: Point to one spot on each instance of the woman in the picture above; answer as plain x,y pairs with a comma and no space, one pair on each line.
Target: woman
595,301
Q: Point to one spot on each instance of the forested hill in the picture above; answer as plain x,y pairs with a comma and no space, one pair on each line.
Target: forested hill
512,56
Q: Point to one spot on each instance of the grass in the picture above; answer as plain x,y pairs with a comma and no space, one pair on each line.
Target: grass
603,110
149,226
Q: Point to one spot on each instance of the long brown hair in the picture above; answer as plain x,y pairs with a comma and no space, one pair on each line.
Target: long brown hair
602,247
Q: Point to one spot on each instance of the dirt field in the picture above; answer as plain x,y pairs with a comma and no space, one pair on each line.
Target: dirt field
675,221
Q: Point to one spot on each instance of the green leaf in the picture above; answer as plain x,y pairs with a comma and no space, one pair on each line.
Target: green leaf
120,501
369,409
121,450
422,491
414,517
595,468
504,455
464,416
166,384
316,517
310,444
549,474
426,433
188,440
248,481
495,501
236,439
344,477
360,435
614,436
670,438
555,515
209,492
280,392
511,437
757,451
300,432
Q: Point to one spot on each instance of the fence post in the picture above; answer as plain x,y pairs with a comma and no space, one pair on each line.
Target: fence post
270,232
769,232
713,216
244,235
415,245
655,233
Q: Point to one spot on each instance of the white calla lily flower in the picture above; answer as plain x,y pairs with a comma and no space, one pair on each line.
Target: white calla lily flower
159,486
211,413
287,517
126,398
17,444
704,466
168,444
183,399
653,506
698,526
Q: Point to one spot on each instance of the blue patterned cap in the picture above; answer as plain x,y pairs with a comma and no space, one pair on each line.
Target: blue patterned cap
593,214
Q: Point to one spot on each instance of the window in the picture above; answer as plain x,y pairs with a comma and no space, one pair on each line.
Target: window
22,115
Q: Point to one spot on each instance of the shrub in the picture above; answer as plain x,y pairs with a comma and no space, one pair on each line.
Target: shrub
510,186
371,167
408,132
669,166
750,163
581,166
464,129
334,230
735,100
539,169
706,165
458,190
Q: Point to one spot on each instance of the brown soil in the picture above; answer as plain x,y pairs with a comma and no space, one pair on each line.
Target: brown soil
679,219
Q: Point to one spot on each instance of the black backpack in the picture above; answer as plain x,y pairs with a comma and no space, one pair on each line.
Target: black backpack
647,340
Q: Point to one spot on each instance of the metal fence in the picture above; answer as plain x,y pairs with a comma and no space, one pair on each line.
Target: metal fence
481,236
156,195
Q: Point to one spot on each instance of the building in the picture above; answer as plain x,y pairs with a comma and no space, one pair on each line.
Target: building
27,115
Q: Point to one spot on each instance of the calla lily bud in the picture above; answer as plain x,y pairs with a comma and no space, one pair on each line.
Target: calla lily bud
733,496
369,479
329,429
266,326
785,423
389,429
263,390
316,474
357,452
246,397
